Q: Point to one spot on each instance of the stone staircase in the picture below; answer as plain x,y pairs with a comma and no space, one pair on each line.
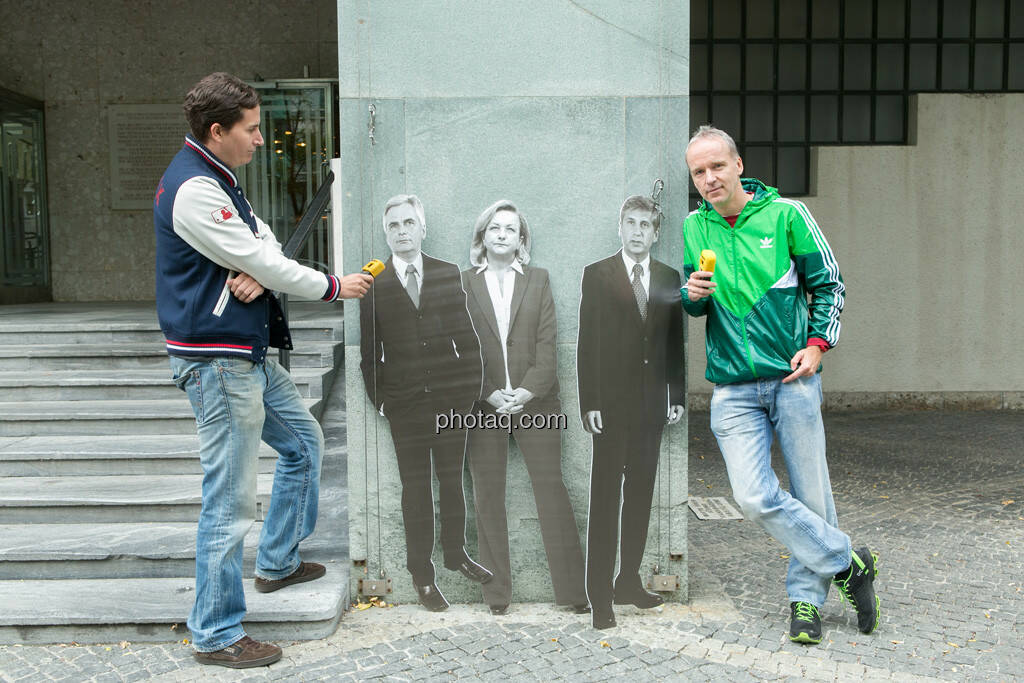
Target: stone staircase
100,480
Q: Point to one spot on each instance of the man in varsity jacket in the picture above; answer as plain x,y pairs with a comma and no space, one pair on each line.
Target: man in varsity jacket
215,262
764,347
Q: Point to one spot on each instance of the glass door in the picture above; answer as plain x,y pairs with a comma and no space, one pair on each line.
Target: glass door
299,139
24,233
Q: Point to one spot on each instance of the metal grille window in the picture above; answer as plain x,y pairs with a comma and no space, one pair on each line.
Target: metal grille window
782,76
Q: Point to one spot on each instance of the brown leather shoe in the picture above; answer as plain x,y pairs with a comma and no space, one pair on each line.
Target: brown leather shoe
432,598
241,655
307,571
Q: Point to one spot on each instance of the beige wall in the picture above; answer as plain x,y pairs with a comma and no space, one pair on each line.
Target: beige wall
930,244
79,56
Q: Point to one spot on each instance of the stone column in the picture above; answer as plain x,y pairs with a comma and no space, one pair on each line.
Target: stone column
564,108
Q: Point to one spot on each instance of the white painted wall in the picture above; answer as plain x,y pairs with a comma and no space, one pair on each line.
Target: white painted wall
930,243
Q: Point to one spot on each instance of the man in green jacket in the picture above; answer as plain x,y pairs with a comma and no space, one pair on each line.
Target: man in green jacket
764,347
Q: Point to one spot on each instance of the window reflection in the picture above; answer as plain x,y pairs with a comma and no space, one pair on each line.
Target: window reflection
24,247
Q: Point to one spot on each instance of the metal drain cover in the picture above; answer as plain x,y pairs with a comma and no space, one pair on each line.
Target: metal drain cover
713,508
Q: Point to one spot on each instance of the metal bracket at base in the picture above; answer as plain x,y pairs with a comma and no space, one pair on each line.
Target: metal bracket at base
375,587
664,583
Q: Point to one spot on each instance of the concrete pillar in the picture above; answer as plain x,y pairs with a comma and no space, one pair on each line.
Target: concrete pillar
564,109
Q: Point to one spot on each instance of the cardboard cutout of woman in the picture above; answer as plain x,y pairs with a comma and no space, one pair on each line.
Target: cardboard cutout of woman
513,312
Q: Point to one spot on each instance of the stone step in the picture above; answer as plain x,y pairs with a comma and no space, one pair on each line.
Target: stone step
108,499
101,485
122,550
122,333
133,356
126,418
75,456
117,322
112,610
142,383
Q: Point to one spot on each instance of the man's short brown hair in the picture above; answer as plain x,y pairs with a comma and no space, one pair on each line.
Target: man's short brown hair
638,202
218,98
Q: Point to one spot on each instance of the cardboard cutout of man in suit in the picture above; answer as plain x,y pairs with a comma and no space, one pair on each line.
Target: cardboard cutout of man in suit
513,310
420,359
631,382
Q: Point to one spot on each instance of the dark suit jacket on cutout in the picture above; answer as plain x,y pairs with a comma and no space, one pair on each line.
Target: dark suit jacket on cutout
532,363
430,354
624,364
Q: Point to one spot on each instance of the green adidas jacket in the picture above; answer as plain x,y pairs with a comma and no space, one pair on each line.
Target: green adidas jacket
759,316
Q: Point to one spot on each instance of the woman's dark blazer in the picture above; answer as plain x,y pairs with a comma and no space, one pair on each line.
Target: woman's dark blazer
531,338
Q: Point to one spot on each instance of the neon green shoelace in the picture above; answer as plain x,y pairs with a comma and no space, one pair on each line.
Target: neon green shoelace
805,611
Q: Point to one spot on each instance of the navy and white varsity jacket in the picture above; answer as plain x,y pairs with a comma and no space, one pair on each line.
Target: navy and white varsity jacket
206,233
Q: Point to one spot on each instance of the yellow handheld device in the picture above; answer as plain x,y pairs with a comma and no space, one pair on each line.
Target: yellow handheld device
375,267
707,260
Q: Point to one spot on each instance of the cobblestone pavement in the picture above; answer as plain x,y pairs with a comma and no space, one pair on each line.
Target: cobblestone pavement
938,495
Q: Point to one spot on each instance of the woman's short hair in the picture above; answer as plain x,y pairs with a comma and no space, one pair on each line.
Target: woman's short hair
477,251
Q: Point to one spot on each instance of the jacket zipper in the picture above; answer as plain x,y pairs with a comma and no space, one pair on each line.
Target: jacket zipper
743,320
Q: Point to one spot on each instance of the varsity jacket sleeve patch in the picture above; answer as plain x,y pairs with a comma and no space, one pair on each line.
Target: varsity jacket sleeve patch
818,269
205,218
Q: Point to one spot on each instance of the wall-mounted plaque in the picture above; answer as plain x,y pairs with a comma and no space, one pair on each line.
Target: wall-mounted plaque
143,139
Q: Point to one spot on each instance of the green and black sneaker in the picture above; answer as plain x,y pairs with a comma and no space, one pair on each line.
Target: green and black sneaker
856,586
804,623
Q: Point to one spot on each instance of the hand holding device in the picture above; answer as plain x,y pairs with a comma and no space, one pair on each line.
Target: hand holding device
707,261
699,285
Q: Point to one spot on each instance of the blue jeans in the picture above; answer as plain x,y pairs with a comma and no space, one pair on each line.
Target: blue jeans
236,404
744,418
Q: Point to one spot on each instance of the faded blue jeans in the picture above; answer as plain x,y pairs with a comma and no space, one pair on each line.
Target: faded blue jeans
744,418
237,403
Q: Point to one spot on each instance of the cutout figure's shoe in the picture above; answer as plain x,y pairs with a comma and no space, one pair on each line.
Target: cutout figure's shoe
634,593
432,598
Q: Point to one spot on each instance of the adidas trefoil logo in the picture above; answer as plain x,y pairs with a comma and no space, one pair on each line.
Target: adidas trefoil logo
766,243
